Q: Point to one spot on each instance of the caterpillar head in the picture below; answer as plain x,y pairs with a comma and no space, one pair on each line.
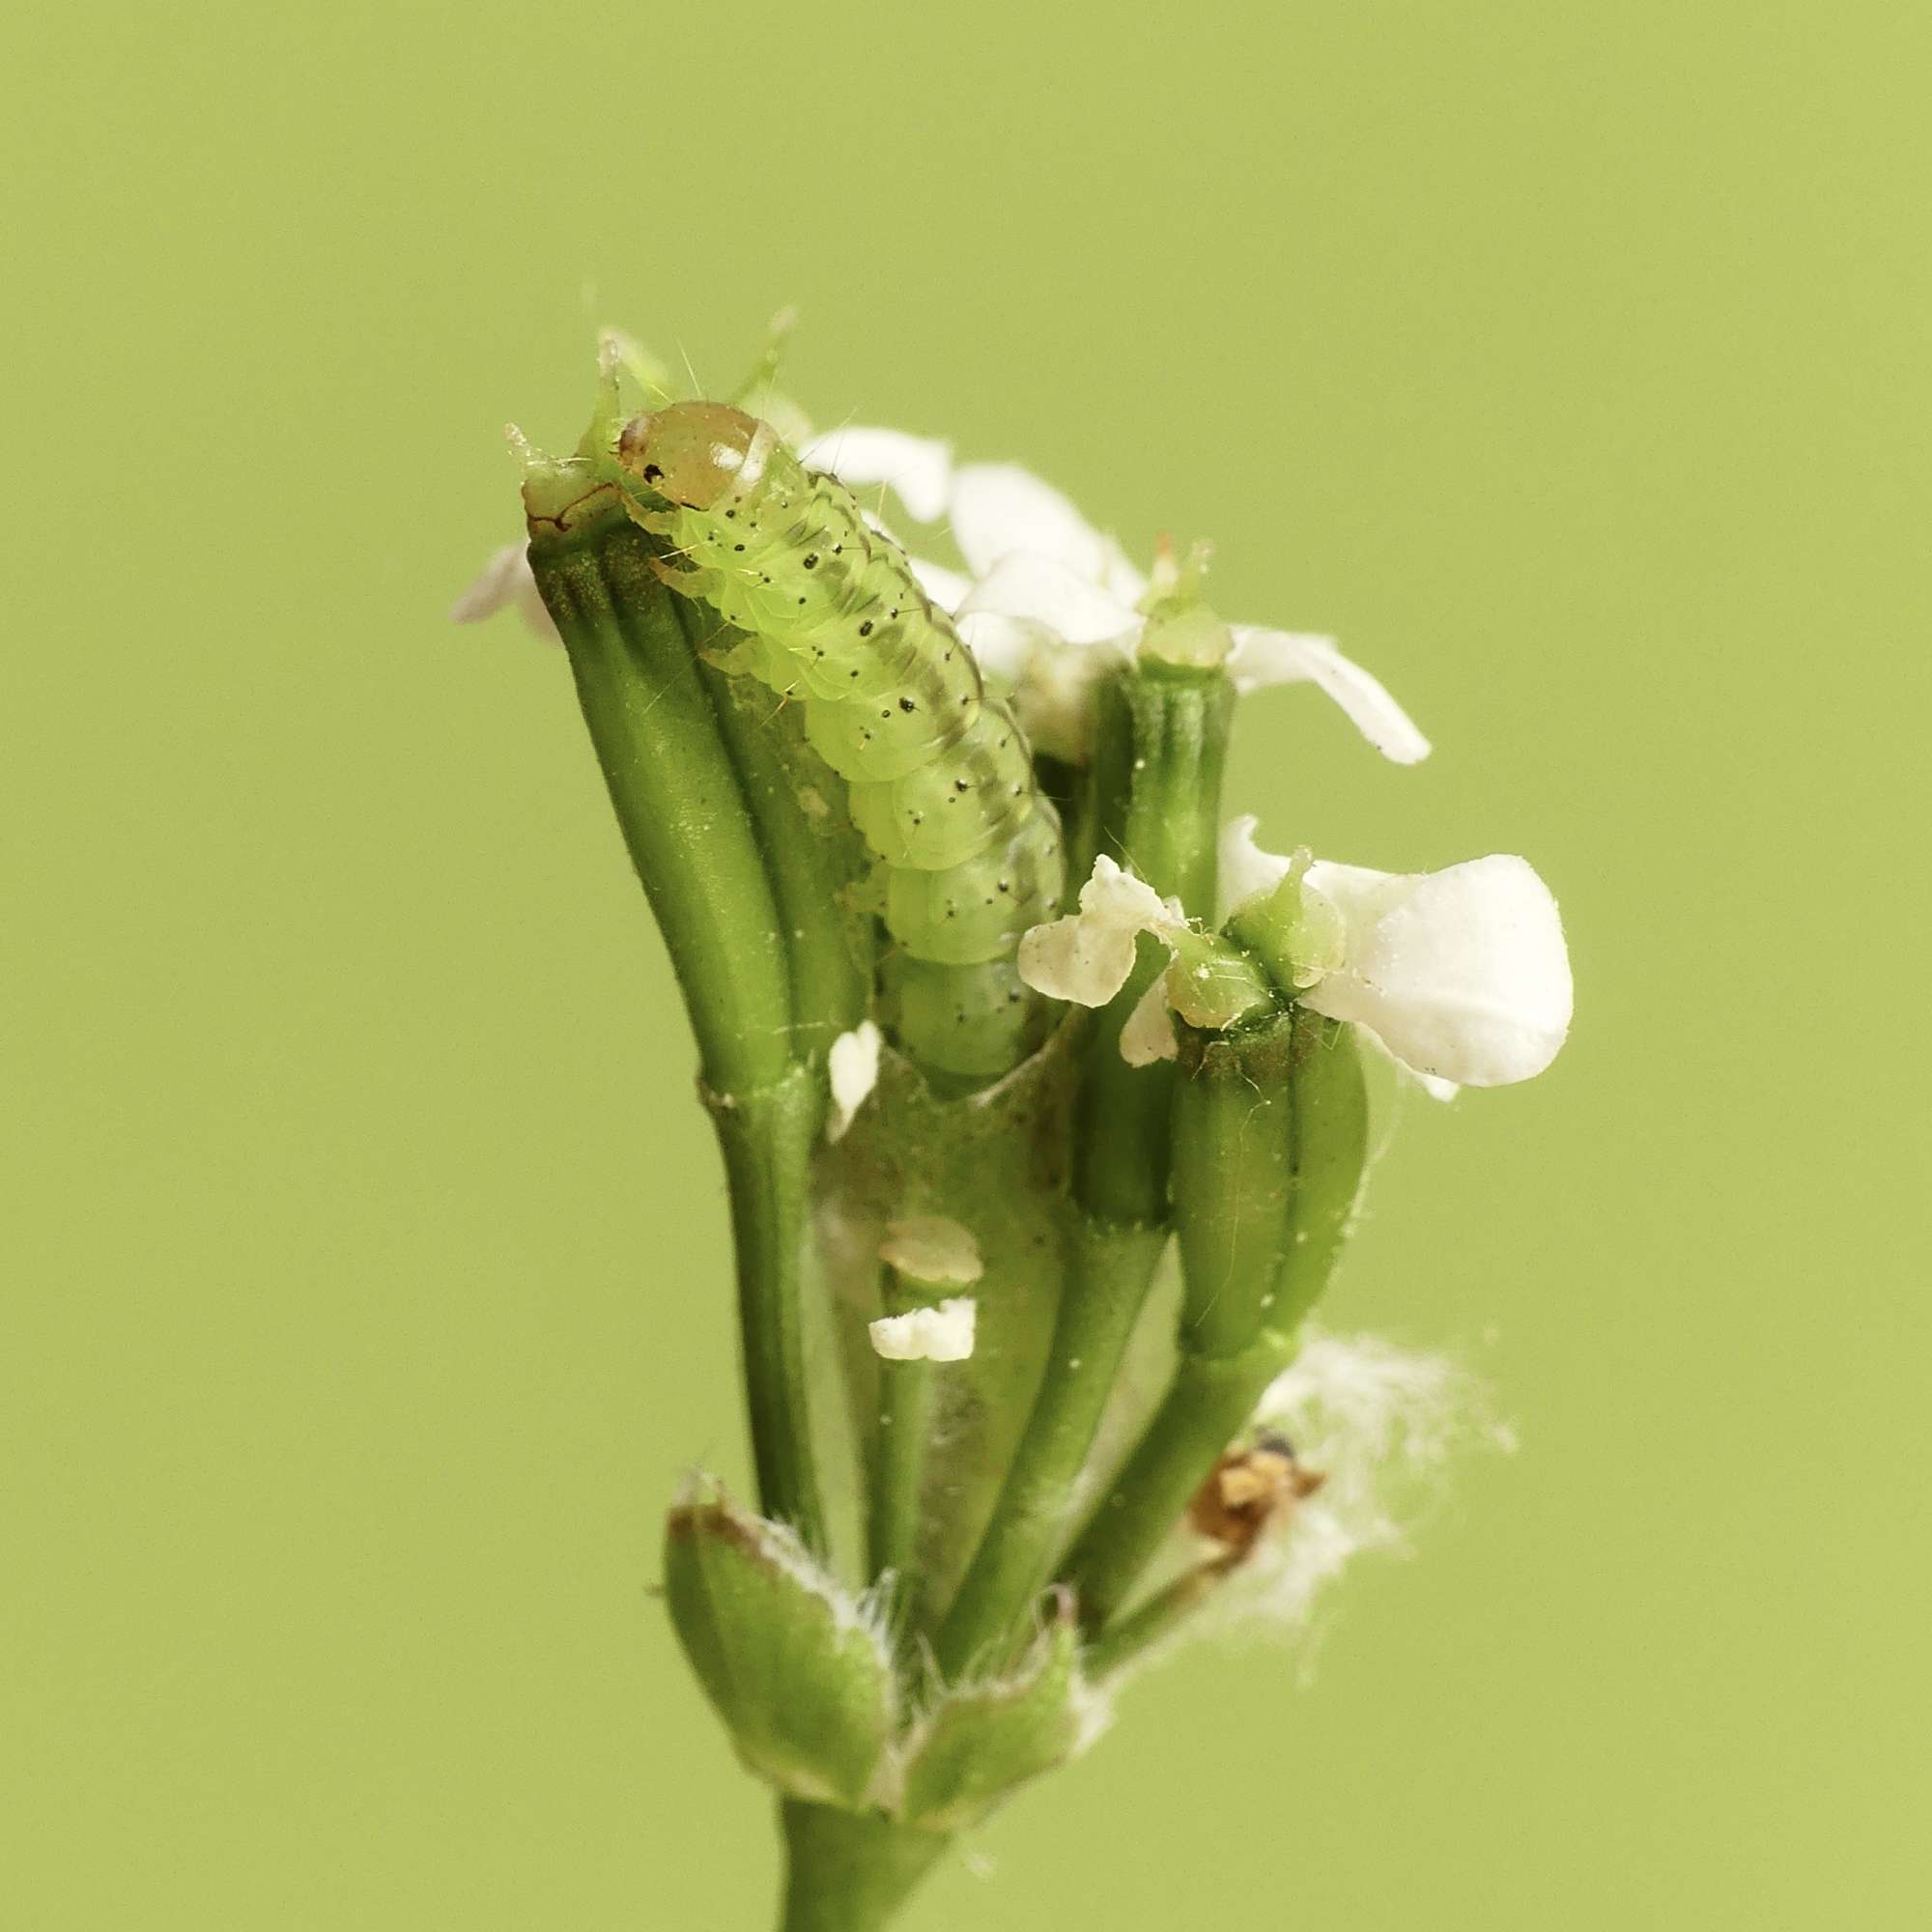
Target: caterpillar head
694,454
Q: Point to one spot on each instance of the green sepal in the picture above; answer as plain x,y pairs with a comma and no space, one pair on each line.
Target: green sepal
798,1669
1214,986
986,1737
1294,931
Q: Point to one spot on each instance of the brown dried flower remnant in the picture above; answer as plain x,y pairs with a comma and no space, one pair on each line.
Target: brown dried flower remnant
1248,1489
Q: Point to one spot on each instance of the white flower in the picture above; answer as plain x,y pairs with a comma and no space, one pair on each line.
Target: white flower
506,580
1463,975
919,468
1036,560
1087,956
852,1067
942,1333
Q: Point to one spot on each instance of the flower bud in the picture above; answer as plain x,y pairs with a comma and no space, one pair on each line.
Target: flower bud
799,1670
987,1736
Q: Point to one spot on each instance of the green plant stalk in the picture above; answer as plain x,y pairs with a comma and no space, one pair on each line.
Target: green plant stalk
897,1487
897,1481
1109,1267
810,864
1271,1133
690,829
677,796
1129,1639
768,1137
1160,746
1153,802
995,1162
849,1871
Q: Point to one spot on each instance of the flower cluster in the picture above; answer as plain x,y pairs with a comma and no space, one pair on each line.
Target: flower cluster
991,1187
1462,974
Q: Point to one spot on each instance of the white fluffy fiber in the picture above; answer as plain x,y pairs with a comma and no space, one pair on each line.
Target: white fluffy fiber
1381,1424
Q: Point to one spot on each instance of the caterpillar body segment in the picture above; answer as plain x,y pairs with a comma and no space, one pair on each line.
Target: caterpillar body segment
941,782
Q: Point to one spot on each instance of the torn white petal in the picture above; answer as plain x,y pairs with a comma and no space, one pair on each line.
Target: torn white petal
852,1068
998,508
506,582
943,1333
1149,1035
1462,974
933,1248
1262,657
1072,959
1025,584
1246,871
917,468
1087,956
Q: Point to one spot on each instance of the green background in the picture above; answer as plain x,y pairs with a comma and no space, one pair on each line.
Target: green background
365,1251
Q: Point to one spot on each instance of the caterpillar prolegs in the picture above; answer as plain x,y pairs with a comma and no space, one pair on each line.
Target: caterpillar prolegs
941,783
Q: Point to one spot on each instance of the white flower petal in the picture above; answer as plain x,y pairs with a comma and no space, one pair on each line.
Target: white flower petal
917,468
1120,578
506,582
1246,871
944,1333
1003,647
1148,1033
852,1067
1072,959
934,1248
1462,974
1262,657
1028,584
998,508
1432,1084
1049,683
945,587
1087,956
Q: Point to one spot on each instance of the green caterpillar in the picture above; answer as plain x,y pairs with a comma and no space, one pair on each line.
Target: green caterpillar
941,780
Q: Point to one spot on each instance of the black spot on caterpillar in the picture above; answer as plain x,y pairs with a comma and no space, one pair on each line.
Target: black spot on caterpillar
942,786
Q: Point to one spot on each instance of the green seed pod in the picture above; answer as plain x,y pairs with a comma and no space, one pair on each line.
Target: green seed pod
1270,1137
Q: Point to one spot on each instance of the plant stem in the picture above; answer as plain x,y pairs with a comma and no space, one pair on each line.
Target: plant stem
1206,1406
896,1490
809,864
1155,787
1153,801
1274,1125
690,827
849,1871
1108,1268
1129,1639
768,1137
676,793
